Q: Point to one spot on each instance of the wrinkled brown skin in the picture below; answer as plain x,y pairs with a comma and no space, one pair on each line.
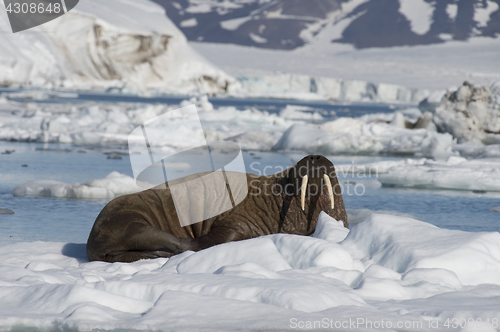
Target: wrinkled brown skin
145,225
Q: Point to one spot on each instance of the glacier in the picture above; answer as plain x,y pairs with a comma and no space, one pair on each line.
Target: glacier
122,44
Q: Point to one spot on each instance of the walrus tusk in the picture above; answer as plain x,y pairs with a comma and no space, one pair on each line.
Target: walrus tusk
303,192
330,190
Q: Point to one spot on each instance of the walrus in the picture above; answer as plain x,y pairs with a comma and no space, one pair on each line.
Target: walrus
145,225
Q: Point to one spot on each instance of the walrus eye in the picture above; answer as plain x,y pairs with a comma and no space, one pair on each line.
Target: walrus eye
330,190
303,191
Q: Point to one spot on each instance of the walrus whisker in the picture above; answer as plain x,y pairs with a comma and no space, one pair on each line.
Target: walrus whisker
330,189
303,192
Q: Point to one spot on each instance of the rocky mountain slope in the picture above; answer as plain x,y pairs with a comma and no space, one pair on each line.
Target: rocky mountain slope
288,24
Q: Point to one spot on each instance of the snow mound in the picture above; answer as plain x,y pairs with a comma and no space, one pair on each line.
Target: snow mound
129,45
115,184
455,173
407,246
426,273
470,114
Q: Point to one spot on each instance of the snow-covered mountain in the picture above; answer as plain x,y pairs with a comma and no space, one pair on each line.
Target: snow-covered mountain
288,24
126,44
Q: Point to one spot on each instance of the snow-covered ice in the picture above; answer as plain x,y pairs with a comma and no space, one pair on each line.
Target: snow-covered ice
129,45
294,128
470,114
308,87
94,124
456,173
390,268
366,135
113,185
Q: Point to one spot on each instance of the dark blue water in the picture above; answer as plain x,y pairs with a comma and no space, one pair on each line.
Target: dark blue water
70,220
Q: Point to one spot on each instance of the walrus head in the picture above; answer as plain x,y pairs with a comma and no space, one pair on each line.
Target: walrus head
314,188
314,173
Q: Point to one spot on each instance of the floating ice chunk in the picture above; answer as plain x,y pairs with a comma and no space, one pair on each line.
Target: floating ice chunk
347,135
343,125
111,124
455,173
478,150
115,184
314,140
438,146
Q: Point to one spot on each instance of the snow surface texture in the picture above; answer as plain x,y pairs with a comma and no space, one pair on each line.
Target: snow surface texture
471,113
455,173
130,45
387,268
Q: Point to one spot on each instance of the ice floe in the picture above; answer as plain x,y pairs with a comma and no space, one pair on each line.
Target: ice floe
455,173
386,270
110,124
409,132
349,135
115,184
